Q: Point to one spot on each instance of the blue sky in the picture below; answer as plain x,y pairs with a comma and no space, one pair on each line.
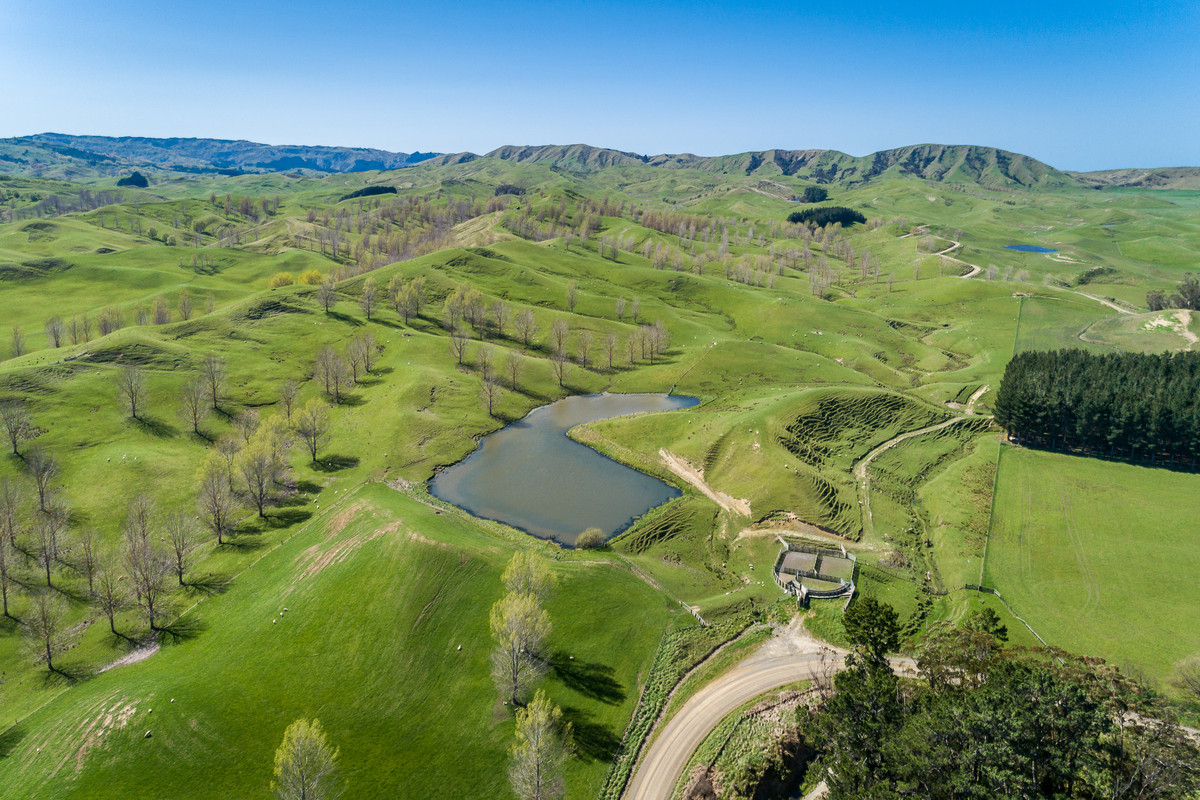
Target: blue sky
1080,86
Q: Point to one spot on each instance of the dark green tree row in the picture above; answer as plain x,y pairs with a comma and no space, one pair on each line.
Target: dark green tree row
1124,405
827,216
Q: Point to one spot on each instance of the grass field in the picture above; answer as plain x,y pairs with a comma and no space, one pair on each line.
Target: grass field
1099,557
376,680
798,383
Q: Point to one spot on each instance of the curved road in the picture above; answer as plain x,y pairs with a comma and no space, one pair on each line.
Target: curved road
660,769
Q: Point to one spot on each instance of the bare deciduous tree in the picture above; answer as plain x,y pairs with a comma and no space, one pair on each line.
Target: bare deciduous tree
54,331
43,468
212,375
88,557
366,300
109,592
183,541
162,312
500,317
43,624
635,309
16,346
131,387
490,393
559,331
558,360
6,576
17,423
12,509
527,326
512,367
370,351
246,423
48,529
216,500
355,357
184,304
193,403
312,426
611,344
458,343
287,396
327,294
620,308
148,567
585,348
572,296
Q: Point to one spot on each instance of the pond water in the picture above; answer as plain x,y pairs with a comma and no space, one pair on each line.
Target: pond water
1029,248
532,476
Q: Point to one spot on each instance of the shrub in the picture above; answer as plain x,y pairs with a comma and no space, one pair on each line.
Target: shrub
310,277
280,279
136,179
509,188
591,539
814,194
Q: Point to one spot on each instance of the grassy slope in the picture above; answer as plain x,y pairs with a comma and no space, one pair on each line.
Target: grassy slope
1099,557
755,355
376,672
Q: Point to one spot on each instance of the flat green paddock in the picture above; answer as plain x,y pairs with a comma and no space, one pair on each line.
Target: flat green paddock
1099,557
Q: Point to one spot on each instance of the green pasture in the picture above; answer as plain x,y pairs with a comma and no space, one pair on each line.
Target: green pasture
1098,556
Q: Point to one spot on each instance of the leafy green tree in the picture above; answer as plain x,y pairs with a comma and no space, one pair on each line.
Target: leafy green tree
305,764
873,627
520,627
542,748
529,572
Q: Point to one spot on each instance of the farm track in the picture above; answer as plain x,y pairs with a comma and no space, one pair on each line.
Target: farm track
974,270
695,477
863,478
785,659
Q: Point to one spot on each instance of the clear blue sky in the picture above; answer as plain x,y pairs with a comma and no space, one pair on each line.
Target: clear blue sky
1078,85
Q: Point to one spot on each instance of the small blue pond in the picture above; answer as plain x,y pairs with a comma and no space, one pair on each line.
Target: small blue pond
1029,248
532,476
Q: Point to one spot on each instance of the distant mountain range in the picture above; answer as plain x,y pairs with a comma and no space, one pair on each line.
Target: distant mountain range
79,157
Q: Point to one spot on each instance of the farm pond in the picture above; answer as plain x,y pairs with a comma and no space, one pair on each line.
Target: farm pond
1029,248
532,476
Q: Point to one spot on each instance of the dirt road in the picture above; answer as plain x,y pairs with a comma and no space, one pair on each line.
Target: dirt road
785,659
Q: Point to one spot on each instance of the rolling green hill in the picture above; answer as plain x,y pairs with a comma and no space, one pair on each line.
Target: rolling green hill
811,348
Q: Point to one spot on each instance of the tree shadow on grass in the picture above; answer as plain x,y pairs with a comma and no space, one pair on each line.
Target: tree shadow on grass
352,400
346,318
333,463
183,629
307,487
10,738
247,541
65,673
286,517
156,427
593,741
590,679
209,584
77,596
